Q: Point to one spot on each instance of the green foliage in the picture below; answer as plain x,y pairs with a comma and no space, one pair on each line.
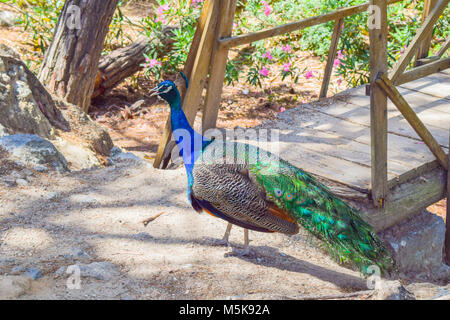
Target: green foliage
266,59
173,13
40,17
267,55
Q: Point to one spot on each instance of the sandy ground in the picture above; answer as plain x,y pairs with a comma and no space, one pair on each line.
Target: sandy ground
174,257
100,213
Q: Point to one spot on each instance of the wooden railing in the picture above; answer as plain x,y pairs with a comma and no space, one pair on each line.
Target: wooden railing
383,86
213,40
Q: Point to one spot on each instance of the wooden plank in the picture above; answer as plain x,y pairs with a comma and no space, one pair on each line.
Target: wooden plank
413,174
424,47
351,100
230,42
378,106
408,199
412,118
167,134
319,139
424,30
403,150
331,56
447,217
434,113
218,66
436,85
333,168
423,71
337,146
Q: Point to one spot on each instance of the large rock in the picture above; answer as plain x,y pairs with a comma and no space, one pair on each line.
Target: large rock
12,287
26,107
83,130
32,150
418,245
8,52
392,290
22,102
8,18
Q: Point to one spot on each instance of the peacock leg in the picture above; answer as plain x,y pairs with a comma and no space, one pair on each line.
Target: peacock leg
226,236
246,243
246,251
224,241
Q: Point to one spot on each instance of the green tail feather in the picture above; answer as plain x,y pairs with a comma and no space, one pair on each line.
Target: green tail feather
340,227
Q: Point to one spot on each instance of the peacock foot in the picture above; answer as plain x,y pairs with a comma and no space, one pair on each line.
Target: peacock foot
216,242
246,252
221,242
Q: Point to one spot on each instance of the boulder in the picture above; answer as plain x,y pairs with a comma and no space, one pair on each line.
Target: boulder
26,107
8,18
12,287
418,246
32,150
392,290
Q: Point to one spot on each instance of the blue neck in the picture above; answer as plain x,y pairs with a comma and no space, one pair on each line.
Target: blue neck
189,142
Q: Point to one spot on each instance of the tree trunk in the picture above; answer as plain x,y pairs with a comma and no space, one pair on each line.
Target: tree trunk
70,65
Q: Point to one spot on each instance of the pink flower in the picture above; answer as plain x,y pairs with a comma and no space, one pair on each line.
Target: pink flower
287,67
309,75
196,2
163,8
286,48
403,49
337,63
264,71
153,63
340,55
282,109
339,82
267,55
267,8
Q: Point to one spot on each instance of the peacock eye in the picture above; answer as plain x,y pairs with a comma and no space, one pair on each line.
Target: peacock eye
278,192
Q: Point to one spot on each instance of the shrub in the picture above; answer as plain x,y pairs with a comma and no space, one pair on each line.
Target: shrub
261,58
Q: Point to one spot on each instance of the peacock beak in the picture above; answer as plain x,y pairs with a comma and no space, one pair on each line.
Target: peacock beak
154,91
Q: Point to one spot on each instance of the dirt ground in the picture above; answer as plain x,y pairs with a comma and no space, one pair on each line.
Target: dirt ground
174,257
100,212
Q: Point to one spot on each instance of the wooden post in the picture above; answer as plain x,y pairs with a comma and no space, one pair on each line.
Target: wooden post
378,102
447,219
199,57
218,65
331,56
424,47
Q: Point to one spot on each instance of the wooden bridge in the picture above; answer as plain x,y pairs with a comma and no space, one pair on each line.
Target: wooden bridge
331,139
391,158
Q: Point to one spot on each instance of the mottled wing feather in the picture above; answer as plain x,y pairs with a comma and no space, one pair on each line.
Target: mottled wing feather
228,189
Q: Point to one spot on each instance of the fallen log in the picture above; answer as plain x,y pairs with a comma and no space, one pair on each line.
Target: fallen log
124,62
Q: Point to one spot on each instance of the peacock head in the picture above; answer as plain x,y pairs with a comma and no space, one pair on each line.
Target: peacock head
168,90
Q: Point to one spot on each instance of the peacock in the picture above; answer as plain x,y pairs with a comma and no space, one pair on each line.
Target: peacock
250,188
